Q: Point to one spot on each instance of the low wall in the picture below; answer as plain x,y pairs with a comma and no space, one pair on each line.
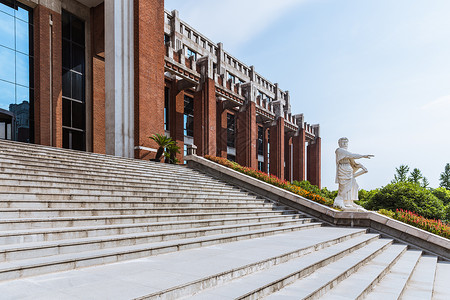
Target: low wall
400,231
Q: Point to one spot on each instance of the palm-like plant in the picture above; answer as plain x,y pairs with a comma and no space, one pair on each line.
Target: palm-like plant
163,142
171,152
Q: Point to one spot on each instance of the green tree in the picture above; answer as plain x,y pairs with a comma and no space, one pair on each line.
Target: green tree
443,194
445,177
415,176
402,173
408,196
425,182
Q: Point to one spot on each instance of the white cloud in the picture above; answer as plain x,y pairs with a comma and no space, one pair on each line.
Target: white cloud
438,104
231,22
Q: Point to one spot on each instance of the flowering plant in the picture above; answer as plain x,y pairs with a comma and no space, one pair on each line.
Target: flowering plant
271,179
434,226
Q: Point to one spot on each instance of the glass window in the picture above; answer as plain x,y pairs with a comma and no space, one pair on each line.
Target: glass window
188,116
73,82
16,71
231,131
260,140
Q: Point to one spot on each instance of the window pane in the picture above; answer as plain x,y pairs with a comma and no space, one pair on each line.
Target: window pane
7,95
66,26
77,31
78,115
7,6
66,54
22,94
77,58
22,69
23,14
77,140
2,130
22,36
67,112
7,69
22,114
66,83
77,87
6,30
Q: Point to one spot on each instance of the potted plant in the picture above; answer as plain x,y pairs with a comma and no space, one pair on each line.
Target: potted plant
171,153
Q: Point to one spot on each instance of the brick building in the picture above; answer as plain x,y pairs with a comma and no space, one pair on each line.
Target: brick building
98,76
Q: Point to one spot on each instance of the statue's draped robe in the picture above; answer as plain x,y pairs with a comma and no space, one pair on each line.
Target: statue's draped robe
345,170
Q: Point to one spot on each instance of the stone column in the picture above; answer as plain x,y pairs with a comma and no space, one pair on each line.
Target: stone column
48,76
246,136
299,156
119,77
176,116
276,156
314,164
148,61
205,119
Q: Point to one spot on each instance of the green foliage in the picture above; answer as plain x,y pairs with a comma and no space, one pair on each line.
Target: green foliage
328,194
306,185
415,176
425,182
402,173
171,153
387,212
407,196
162,141
445,177
364,195
442,194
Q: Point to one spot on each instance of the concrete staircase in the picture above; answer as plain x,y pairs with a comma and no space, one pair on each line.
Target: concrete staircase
156,231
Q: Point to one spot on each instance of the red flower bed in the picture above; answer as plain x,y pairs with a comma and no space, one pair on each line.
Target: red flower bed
433,226
270,179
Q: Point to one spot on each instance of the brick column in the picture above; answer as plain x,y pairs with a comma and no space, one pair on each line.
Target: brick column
246,136
299,156
266,149
277,148
47,77
314,164
148,74
98,78
176,117
221,136
287,158
205,119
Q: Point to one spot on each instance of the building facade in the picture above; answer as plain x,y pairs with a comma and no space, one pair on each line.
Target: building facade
103,76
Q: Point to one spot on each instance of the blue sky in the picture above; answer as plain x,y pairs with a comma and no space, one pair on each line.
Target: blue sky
375,71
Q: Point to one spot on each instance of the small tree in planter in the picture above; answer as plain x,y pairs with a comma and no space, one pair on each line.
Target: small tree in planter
171,153
163,142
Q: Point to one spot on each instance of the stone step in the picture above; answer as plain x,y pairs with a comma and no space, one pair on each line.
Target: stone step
33,204
367,276
231,279
33,168
80,164
67,177
420,285
26,223
30,150
176,197
32,235
300,277
21,251
393,283
54,263
441,288
18,185
73,212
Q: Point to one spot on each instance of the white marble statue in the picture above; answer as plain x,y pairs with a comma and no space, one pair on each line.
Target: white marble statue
346,172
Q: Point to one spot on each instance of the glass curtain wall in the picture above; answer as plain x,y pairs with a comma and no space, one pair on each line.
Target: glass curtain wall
73,82
16,72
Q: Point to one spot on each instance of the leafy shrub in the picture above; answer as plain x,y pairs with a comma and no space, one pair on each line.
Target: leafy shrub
443,194
387,212
407,196
364,195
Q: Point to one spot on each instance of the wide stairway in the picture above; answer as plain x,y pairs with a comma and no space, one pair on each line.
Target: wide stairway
77,225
